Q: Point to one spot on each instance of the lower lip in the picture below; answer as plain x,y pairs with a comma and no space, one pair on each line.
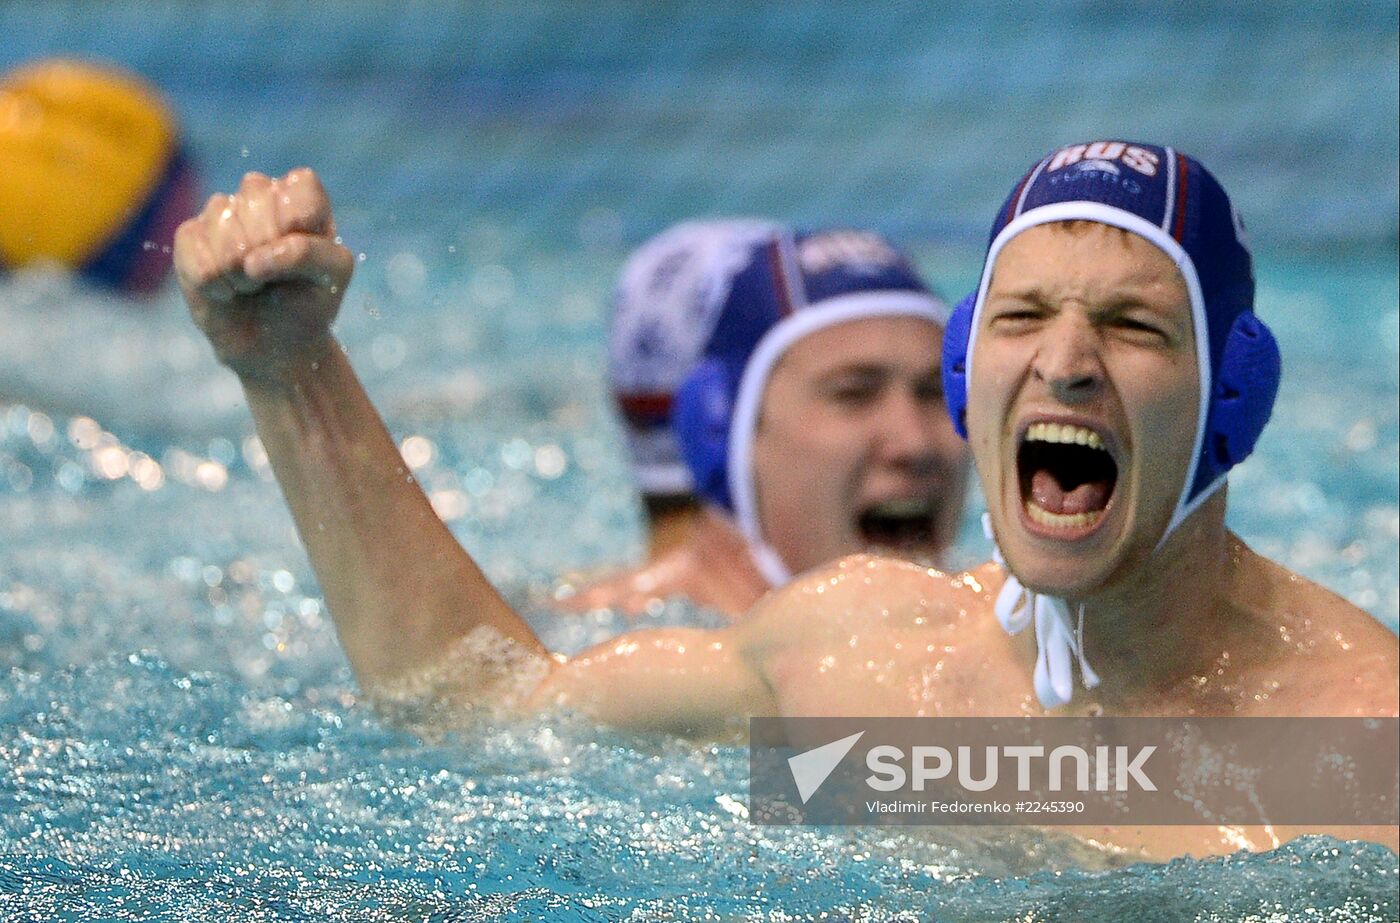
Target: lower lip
1063,533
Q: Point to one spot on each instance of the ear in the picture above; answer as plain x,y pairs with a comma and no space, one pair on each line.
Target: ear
704,407
1243,394
955,338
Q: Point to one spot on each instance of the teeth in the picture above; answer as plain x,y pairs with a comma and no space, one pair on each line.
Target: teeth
1061,520
1064,433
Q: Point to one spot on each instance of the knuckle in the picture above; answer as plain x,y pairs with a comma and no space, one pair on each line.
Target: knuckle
186,247
252,206
303,215
300,203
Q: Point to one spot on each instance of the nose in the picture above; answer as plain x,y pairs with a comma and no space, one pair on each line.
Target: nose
1068,360
910,429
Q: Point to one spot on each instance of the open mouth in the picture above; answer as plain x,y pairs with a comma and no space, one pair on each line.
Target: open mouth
904,524
1067,476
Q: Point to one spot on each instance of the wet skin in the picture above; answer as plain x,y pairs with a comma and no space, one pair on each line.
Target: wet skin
707,561
1204,627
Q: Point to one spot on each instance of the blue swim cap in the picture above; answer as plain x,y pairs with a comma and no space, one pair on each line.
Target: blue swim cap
786,287
1171,200
668,299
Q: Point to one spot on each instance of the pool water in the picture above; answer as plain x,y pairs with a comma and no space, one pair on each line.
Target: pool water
180,738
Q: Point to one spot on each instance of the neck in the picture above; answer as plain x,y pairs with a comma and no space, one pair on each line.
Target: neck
715,538
672,520
719,542
1164,620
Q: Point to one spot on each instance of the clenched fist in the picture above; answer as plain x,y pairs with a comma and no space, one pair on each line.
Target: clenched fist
263,273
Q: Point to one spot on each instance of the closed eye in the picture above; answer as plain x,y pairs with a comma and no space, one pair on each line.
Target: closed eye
1016,320
854,387
929,388
853,394
1139,330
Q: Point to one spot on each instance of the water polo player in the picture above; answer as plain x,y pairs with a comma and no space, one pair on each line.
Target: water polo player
1115,306
781,402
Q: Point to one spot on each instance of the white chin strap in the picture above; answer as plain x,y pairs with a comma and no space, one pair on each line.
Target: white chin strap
768,561
1057,645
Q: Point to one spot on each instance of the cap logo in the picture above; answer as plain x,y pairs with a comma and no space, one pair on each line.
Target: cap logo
1104,166
854,250
1130,155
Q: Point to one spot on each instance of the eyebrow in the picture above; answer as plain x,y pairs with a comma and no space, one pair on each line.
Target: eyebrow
1029,294
864,369
873,369
1127,302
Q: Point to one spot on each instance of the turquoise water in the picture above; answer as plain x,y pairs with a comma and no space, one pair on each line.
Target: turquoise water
179,735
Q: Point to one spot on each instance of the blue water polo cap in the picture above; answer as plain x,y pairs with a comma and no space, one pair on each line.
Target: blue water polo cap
788,286
1171,200
668,298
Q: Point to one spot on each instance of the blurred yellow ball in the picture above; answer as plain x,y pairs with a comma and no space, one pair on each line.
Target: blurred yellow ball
92,173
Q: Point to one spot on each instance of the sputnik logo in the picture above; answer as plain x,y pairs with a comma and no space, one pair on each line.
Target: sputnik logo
811,769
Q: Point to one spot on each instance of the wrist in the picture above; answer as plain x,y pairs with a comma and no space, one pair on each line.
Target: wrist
281,374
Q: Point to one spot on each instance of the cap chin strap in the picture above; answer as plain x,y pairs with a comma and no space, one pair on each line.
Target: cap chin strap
1057,645
768,561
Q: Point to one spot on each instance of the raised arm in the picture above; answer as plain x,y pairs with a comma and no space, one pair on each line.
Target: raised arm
264,275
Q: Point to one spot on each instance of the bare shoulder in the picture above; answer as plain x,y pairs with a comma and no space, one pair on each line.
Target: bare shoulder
1344,661
862,589
1301,607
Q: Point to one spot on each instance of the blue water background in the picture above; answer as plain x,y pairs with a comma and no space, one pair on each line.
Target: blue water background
179,736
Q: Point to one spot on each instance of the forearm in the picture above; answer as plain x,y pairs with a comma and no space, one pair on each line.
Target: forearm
401,589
